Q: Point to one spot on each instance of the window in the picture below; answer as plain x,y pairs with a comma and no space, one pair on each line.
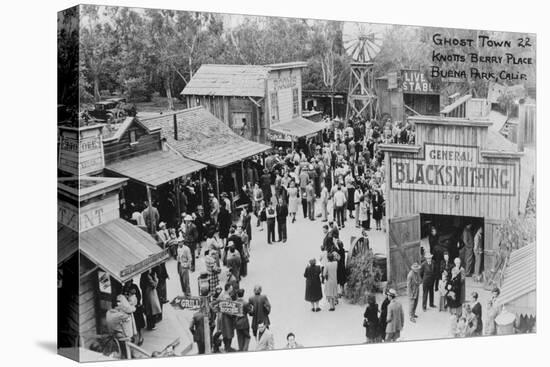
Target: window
274,110
295,102
133,140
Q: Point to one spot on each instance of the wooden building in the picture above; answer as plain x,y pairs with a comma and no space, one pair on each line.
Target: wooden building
458,171
137,152
253,100
404,93
108,250
519,287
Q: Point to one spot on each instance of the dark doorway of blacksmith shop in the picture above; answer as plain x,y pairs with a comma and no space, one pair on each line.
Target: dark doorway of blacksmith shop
455,235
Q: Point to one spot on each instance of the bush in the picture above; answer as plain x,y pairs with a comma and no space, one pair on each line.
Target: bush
363,277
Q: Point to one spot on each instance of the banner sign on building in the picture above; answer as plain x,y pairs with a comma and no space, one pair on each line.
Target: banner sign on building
452,169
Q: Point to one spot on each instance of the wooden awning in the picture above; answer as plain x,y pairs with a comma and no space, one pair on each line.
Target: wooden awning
155,168
121,249
298,127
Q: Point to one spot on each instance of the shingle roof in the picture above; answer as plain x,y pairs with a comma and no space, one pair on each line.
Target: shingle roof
67,243
520,277
298,127
204,138
155,168
228,80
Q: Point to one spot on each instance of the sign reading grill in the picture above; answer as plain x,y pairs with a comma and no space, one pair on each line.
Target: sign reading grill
456,169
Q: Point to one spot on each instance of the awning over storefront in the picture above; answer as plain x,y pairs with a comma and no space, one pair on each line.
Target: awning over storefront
298,127
121,249
67,243
155,168
520,278
197,134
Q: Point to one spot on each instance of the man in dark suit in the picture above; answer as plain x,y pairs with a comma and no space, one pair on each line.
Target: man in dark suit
282,213
261,308
428,275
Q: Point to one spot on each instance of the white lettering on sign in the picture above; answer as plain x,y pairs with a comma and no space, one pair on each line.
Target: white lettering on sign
414,81
453,169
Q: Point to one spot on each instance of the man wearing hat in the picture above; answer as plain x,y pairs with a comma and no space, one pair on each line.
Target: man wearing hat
395,318
190,236
428,275
413,285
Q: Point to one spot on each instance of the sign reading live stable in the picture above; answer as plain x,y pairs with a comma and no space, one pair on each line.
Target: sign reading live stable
455,169
415,82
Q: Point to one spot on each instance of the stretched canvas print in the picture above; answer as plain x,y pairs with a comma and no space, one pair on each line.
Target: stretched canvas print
233,183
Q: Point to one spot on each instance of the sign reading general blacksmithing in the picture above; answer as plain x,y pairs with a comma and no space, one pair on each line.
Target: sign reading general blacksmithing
231,308
456,169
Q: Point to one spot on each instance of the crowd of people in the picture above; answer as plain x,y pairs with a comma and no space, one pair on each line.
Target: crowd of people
343,172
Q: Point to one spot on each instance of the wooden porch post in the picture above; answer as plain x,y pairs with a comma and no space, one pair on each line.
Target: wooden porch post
150,203
176,182
242,173
217,184
200,188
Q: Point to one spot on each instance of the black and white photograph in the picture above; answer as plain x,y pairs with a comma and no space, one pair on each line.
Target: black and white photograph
234,183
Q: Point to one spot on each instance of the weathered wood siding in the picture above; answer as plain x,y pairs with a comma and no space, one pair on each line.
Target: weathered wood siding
119,150
405,203
283,82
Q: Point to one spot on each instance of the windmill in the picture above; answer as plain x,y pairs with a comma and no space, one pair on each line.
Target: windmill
362,43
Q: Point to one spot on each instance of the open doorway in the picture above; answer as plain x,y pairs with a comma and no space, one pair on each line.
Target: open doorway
453,234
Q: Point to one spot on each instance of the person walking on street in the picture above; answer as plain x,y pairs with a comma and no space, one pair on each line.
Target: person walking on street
428,275
478,254
224,223
234,261
261,308
190,235
282,213
242,324
477,311
339,201
265,340
184,264
324,195
310,198
395,319
314,292
270,214
413,284
293,199
371,322
148,284
330,275
384,314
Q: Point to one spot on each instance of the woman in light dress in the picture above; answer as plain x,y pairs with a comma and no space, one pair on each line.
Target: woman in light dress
293,199
330,274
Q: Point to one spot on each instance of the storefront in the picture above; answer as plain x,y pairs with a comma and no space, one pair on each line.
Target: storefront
197,134
459,172
155,172
97,253
297,133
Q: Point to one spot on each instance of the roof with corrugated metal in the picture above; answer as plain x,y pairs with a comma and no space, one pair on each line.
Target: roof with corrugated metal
155,168
117,244
228,80
520,277
298,127
67,243
204,138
